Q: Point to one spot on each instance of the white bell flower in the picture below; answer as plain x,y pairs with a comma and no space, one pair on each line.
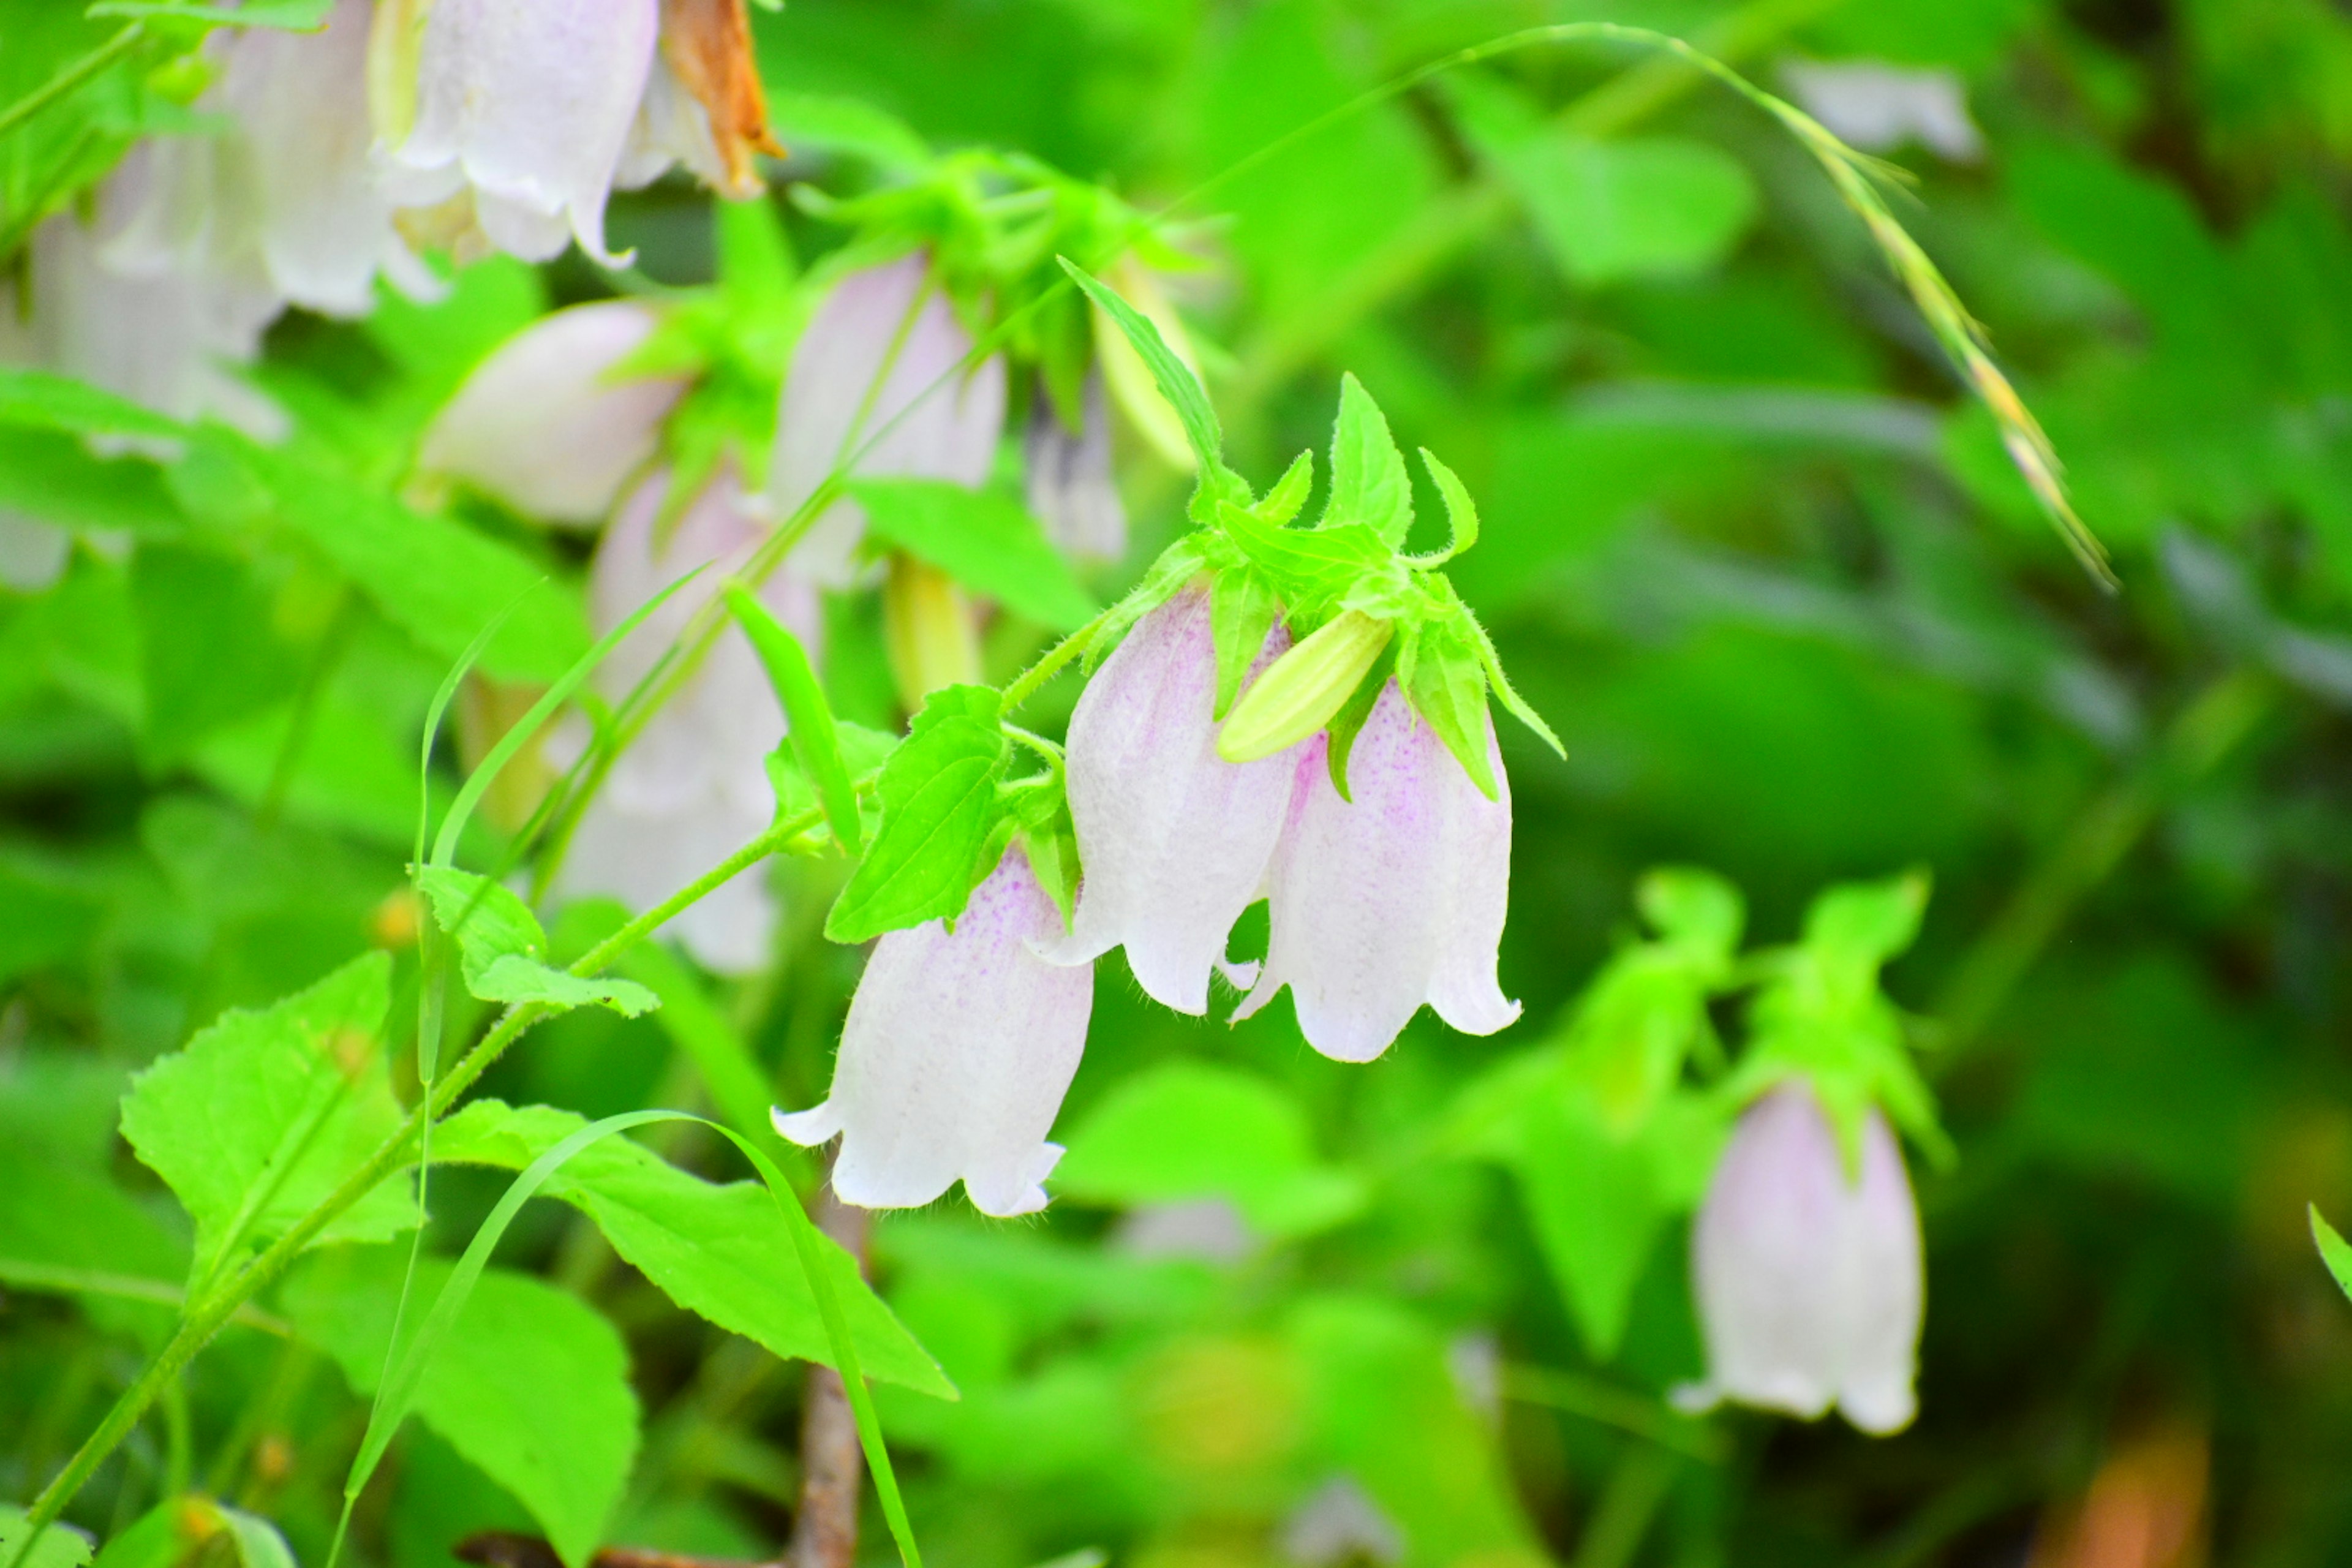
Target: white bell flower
1395,900
545,423
1069,484
692,787
956,1055
881,362
529,102
1175,840
1810,1284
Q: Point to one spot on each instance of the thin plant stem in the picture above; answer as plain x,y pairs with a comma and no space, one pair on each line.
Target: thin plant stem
73,76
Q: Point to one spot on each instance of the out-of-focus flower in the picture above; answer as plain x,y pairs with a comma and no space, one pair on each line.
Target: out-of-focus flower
1069,481
545,423
1340,1524
1392,899
527,113
529,102
881,362
1175,840
692,787
957,1052
1129,378
1810,1284
1878,107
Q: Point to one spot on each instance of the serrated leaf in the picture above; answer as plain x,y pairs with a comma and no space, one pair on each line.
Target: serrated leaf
1243,608
1460,511
810,728
1176,384
1368,483
1308,568
938,796
985,540
529,1383
489,920
515,978
720,1251
1282,503
1443,677
267,1113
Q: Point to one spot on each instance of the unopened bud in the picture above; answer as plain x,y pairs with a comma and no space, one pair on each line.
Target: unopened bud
1303,690
927,625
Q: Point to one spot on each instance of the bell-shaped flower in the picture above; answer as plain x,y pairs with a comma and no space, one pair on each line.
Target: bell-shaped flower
692,787
1392,897
1809,1282
549,424
1175,840
1070,482
958,1049
529,102
321,220
878,386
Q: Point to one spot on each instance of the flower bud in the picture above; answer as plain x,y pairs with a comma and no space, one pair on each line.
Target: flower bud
1306,687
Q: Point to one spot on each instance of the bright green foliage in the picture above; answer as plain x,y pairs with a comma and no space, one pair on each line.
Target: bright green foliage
810,728
938,796
265,1112
529,1383
987,542
60,1546
1192,1131
502,952
179,1527
2333,1251
717,1250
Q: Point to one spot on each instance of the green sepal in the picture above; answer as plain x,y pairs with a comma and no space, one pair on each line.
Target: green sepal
1243,608
1301,691
1279,505
810,730
1440,671
938,794
1311,569
1348,721
1513,703
1368,482
1460,511
1170,575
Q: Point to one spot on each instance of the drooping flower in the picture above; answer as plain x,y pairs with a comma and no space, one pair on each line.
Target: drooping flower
881,362
1392,898
547,425
956,1055
1810,1284
1069,481
692,787
528,102
1175,840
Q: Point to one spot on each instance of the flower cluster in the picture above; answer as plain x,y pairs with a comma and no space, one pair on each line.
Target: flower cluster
1298,714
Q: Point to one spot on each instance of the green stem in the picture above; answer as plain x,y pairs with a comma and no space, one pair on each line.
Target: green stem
205,1321
1051,663
72,77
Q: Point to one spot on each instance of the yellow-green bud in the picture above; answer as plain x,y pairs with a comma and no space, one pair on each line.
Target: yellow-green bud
1304,687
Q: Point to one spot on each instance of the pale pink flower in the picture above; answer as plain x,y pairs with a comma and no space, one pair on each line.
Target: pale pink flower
1395,900
549,424
878,384
1878,107
1810,1284
693,787
1069,477
957,1052
1175,840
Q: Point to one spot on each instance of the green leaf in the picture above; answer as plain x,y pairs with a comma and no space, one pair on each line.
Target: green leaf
75,1232
208,653
529,1383
1369,484
1517,707
809,724
1191,1129
2332,1250
1658,207
720,1251
1856,927
61,1546
1440,671
1243,608
294,16
1460,511
985,540
39,399
431,576
1176,384
1311,569
1282,503
267,1113
939,795
53,477
737,1084
502,951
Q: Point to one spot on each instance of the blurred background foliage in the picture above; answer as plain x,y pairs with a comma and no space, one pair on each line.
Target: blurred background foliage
1753,554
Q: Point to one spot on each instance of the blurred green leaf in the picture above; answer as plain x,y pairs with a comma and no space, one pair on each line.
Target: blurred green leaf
985,540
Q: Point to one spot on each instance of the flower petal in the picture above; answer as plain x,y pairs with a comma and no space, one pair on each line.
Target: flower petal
876,382
542,423
1174,839
956,1055
1070,482
1885,1289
